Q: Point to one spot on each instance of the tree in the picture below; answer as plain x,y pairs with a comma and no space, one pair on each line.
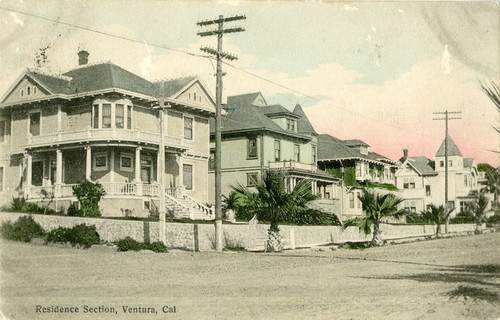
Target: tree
435,215
478,208
493,183
273,203
376,208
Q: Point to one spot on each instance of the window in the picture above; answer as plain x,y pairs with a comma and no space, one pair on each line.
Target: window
194,95
100,161
95,119
358,202
126,162
313,155
463,206
187,178
22,93
427,190
129,117
296,153
252,148
277,150
35,123
450,163
252,178
119,116
358,170
188,128
428,207
106,115
2,130
410,206
37,173
451,205
146,205
441,163
34,90
288,124
351,200
211,160
28,90
292,127
465,180
409,185
1,179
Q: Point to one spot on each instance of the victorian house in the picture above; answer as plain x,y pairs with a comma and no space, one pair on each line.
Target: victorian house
422,181
102,123
258,137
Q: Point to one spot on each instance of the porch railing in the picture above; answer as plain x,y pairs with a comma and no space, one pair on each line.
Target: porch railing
290,164
111,188
103,134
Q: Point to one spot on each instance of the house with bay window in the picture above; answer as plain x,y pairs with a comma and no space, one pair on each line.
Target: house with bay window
102,123
257,137
422,180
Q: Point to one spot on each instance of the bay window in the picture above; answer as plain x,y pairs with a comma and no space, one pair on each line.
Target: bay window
107,114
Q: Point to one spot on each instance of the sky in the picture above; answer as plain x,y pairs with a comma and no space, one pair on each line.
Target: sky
374,71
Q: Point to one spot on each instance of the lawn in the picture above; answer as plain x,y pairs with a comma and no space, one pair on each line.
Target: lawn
456,278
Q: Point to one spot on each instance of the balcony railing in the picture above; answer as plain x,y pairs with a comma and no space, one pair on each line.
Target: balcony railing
103,134
290,164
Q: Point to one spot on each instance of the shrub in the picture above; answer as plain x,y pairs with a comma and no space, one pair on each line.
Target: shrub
89,194
494,218
157,247
80,234
21,205
24,229
128,244
74,211
463,217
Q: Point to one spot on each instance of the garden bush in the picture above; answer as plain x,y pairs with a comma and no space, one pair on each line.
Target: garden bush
129,244
494,218
21,205
463,217
78,235
89,194
73,211
24,229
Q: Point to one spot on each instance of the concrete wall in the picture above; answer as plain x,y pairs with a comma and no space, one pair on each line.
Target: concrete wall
201,237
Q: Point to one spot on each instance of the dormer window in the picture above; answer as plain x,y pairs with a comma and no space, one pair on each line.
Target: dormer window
290,125
194,95
34,90
22,93
28,90
107,114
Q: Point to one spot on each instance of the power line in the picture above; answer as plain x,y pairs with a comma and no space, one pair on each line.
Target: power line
210,58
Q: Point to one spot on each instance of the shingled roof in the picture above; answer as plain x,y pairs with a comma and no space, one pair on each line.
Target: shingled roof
452,148
91,78
331,148
423,165
303,124
243,116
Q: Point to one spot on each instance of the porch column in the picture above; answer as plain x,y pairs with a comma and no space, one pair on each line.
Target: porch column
137,167
137,176
313,187
59,121
112,166
180,163
29,163
58,172
88,163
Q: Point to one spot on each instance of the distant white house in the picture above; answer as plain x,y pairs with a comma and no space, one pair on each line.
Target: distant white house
422,181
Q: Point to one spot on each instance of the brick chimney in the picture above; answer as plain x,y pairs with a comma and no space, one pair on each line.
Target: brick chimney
405,154
83,57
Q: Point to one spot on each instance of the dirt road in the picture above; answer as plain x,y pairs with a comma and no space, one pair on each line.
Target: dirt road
457,278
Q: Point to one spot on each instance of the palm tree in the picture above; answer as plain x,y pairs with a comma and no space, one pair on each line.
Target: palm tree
376,208
435,215
493,183
273,203
478,208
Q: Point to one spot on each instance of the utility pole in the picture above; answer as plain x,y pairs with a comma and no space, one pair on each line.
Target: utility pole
446,118
219,32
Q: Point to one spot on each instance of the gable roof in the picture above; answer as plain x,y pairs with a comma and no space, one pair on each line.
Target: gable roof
52,83
243,116
423,165
303,124
452,148
243,99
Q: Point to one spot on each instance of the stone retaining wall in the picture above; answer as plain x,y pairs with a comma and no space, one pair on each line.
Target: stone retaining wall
200,237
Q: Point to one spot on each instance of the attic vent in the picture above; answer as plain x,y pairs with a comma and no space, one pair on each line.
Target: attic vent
83,57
